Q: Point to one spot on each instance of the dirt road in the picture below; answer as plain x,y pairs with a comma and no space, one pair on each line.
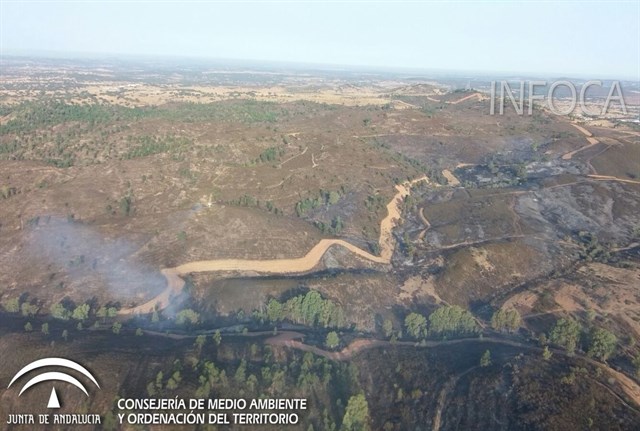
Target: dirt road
175,283
610,178
292,340
471,96
592,141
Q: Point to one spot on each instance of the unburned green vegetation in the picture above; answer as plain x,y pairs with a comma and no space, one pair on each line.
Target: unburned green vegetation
323,198
309,309
445,322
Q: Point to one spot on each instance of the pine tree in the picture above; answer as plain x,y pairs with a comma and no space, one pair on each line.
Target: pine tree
332,340
485,360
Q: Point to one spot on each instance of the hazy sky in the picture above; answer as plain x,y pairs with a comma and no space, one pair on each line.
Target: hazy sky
590,39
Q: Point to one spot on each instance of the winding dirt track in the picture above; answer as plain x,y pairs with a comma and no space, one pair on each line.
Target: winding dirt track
292,339
175,283
589,136
425,222
610,178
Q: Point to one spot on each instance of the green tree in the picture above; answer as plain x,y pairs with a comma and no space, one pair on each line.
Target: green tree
155,317
139,332
327,421
566,333
187,316
28,327
241,372
274,310
217,337
387,328
252,383
125,205
102,313
81,312
65,335
174,380
116,328
253,349
334,197
546,353
485,360
416,325
337,224
602,344
509,320
45,328
29,309
309,309
58,311
542,339
332,340
200,341
356,415
159,379
452,320
11,305
172,384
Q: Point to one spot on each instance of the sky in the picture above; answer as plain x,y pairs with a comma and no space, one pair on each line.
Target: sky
579,39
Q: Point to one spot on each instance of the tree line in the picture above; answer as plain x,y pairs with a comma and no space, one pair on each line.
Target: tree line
309,309
323,198
598,342
446,321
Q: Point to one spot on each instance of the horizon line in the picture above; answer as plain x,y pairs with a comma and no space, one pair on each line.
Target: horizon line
304,65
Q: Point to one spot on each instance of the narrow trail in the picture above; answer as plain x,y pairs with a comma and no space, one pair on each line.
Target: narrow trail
610,178
379,135
273,186
455,102
592,141
465,165
452,180
303,264
291,340
405,105
476,242
629,247
444,393
293,157
425,222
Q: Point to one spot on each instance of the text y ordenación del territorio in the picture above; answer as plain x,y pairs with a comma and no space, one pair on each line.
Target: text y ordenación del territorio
216,411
